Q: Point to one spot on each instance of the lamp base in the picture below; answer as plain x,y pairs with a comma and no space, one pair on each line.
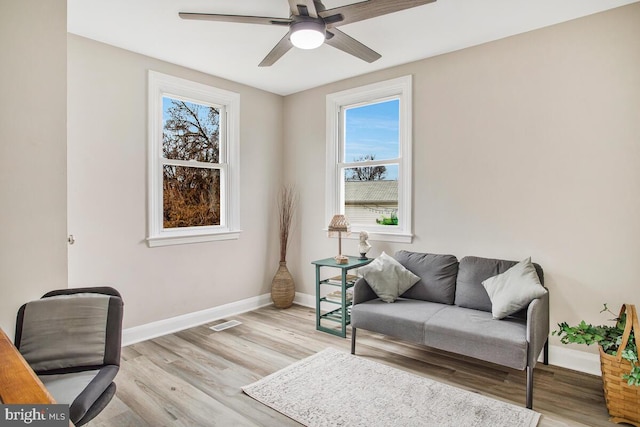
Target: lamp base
341,259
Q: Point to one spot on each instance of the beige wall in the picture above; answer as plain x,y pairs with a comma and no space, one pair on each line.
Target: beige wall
33,252
107,192
527,146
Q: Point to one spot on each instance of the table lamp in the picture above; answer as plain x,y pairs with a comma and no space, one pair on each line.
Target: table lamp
339,224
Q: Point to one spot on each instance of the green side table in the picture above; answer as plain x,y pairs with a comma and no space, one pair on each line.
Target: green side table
340,314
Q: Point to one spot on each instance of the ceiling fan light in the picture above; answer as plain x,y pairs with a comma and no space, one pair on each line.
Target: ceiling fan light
307,35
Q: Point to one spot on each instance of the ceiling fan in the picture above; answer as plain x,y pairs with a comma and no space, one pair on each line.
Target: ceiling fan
311,25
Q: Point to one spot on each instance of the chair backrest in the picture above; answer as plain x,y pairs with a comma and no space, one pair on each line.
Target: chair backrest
71,330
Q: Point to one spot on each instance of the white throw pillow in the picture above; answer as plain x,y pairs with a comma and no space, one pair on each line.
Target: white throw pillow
514,289
387,277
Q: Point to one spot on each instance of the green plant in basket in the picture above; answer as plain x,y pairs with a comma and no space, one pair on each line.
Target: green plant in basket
608,337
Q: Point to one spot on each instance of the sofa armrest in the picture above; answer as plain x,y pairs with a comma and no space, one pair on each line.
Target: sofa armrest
362,292
537,327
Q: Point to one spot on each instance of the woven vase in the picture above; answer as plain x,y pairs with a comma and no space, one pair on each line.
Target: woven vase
283,290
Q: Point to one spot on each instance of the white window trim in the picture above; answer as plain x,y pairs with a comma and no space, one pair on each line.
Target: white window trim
402,88
160,85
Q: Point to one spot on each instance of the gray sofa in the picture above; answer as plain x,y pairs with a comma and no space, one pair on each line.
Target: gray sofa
449,309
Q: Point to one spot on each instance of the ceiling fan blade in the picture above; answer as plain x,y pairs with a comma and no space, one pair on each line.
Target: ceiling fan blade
303,7
235,18
277,52
331,20
371,9
345,43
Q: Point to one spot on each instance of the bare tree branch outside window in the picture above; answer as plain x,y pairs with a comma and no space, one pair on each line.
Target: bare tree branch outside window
191,195
366,173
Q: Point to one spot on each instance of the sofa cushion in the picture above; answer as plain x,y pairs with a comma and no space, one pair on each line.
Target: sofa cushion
437,276
404,319
387,277
476,334
514,289
472,271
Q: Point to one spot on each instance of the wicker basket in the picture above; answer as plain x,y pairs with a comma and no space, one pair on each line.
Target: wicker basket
623,400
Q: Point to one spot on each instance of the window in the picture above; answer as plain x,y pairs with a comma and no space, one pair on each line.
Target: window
193,162
369,158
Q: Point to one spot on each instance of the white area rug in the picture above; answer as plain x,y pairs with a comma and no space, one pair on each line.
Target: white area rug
335,388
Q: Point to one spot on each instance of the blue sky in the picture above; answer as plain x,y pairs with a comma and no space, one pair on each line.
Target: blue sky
166,103
373,129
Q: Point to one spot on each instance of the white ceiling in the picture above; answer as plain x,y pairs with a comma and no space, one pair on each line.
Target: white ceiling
233,51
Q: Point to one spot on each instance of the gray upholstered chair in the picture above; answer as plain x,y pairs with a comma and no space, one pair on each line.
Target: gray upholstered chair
72,340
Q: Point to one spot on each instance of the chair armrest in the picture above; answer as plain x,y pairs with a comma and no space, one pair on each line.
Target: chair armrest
92,392
537,327
362,292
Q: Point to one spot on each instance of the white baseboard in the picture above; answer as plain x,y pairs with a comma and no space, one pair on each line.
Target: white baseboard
581,361
189,320
305,300
558,356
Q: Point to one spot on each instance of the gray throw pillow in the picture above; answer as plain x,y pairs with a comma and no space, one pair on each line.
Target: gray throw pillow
437,274
514,289
387,277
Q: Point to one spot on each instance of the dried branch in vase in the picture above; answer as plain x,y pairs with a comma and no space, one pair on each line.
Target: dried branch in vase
287,202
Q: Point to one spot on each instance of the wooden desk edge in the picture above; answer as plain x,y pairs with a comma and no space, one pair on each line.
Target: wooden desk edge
19,384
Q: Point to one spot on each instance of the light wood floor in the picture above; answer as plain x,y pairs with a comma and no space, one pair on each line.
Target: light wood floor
193,377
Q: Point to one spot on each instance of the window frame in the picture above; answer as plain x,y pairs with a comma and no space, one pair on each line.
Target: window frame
400,88
163,85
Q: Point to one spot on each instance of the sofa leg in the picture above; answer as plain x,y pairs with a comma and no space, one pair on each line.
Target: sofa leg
353,340
529,387
545,357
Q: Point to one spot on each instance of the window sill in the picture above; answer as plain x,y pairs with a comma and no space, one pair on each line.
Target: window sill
156,241
380,236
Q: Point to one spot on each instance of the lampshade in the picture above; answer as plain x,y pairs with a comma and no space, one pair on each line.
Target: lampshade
307,34
339,223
